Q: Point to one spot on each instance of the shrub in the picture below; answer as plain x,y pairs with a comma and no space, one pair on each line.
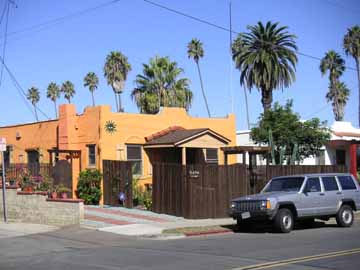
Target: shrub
46,184
88,187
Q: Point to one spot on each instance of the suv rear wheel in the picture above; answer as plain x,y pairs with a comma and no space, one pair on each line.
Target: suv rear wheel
345,216
284,220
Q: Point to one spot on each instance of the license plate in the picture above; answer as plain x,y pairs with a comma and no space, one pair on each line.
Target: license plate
245,215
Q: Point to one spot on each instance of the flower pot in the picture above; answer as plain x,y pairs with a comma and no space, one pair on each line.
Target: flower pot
54,195
64,195
28,189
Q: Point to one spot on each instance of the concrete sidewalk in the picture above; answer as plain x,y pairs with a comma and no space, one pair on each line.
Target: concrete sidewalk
9,230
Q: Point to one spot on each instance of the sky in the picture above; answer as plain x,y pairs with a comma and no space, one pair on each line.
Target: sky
70,48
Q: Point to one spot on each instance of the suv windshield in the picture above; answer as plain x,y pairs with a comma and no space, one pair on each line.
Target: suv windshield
285,184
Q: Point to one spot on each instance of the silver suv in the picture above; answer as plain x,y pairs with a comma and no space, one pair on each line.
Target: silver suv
300,197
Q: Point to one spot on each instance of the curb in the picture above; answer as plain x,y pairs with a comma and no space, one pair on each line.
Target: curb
208,233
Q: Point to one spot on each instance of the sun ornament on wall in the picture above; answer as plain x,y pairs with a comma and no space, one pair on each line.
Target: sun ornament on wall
110,127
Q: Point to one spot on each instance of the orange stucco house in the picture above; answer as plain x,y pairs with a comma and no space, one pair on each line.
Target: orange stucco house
86,139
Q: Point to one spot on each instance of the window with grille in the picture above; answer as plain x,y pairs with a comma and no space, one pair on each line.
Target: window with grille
212,155
91,155
133,154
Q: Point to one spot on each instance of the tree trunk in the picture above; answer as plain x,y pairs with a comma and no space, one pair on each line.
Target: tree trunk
69,100
116,101
55,109
202,89
36,115
93,100
121,109
357,60
266,98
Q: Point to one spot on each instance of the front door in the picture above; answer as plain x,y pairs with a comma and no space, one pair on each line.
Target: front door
311,197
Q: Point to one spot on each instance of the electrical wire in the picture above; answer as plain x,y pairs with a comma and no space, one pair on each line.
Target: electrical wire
55,21
223,28
21,90
5,41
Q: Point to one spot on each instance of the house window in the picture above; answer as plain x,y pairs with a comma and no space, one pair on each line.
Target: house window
133,154
7,155
212,155
340,157
91,155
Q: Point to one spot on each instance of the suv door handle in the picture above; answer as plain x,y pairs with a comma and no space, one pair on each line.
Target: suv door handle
338,193
322,194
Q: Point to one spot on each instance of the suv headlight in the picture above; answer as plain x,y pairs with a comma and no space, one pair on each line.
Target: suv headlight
265,204
233,205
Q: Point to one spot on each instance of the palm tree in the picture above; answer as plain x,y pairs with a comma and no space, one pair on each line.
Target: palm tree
116,70
196,51
266,58
34,96
53,93
68,89
91,81
333,63
352,47
338,95
160,85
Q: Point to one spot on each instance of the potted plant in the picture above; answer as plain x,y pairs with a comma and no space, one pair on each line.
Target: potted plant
63,191
53,192
27,185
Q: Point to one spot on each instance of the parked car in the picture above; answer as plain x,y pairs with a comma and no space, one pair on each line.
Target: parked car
287,199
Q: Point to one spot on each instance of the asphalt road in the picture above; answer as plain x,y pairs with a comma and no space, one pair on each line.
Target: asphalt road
323,247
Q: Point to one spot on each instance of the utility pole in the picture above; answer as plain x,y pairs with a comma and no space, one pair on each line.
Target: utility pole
2,150
231,62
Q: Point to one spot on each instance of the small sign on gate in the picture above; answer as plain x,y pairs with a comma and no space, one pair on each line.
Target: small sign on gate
2,144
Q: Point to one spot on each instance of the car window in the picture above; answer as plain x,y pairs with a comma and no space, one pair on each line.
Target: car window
285,184
346,182
330,183
313,185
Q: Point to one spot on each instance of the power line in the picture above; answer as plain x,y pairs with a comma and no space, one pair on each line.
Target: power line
4,46
21,90
55,21
223,28
318,111
3,12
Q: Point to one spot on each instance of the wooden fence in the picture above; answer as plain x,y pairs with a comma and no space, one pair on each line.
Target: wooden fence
117,177
205,191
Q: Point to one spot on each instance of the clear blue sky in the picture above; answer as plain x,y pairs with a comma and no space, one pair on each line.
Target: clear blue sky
71,48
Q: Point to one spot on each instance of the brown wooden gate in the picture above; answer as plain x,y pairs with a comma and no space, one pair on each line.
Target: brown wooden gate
62,174
197,191
117,177
205,191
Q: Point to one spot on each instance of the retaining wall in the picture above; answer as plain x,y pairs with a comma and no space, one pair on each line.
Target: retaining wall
37,208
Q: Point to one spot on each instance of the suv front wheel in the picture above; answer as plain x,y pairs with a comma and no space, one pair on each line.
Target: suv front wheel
345,216
284,220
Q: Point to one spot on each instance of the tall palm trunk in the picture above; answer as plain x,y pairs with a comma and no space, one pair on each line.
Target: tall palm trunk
36,115
69,100
92,96
120,104
266,99
116,101
333,80
357,60
202,88
55,109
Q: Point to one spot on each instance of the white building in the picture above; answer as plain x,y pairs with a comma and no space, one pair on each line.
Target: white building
340,150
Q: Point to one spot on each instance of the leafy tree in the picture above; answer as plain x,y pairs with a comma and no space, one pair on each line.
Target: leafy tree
160,85
335,65
68,89
116,70
91,81
196,52
266,58
89,186
288,132
34,96
339,96
352,47
53,93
